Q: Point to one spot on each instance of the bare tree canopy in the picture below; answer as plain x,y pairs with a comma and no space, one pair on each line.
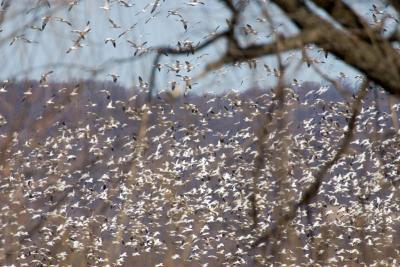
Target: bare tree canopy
368,47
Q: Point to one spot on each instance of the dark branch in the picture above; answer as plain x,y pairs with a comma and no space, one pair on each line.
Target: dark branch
395,4
342,13
229,4
182,51
312,191
255,51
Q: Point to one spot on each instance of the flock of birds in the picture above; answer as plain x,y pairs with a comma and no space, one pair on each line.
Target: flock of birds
71,171
119,35
82,33
75,190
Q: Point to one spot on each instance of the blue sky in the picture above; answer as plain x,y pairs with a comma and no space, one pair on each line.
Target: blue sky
31,60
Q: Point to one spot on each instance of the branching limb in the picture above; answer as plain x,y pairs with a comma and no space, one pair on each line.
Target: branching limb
323,75
255,51
380,65
312,191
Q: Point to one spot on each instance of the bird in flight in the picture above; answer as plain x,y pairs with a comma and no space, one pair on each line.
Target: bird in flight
71,4
114,25
125,3
23,38
106,5
44,78
155,5
114,77
45,20
111,40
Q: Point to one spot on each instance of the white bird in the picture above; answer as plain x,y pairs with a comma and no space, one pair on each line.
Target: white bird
75,90
176,256
82,33
189,66
110,105
106,6
139,48
43,2
71,4
23,38
76,46
184,23
124,3
45,20
114,77
111,40
142,83
44,78
127,30
173,85
114,24
3,87
28,92
155,5
63,21
195,3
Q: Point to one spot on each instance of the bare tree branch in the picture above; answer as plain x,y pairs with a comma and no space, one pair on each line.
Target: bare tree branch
342,13
312,191
395,4
255,51
379,61
377,64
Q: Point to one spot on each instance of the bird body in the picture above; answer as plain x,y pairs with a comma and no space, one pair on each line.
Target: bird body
111,40
45,76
